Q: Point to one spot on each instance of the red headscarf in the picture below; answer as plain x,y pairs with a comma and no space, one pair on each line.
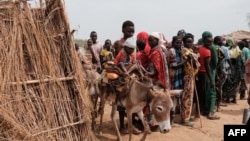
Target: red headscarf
142,56
144,36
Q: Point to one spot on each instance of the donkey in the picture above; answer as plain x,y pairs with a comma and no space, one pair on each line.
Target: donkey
138,95
93,87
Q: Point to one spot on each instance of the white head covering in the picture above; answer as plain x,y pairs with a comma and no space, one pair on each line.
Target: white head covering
130,42
156,35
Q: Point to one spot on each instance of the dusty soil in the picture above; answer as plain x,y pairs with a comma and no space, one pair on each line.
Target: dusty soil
211,130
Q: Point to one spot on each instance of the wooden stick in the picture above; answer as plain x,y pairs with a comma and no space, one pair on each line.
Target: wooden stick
41,81
198,103
197,98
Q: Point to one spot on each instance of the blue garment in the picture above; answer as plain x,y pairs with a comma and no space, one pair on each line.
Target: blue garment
178,82
245,54
225,64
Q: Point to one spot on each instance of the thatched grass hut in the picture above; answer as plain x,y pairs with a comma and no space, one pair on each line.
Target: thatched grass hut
42,93
238,35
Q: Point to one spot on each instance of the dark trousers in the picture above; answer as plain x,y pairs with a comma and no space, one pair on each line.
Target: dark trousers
122,114
243,89
201,91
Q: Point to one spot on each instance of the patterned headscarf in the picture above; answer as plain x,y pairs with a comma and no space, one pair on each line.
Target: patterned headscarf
230,42
181,32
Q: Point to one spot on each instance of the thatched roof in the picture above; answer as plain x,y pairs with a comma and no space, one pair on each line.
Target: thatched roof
238,35
42,93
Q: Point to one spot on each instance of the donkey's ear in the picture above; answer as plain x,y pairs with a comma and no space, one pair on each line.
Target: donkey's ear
152,92
175,92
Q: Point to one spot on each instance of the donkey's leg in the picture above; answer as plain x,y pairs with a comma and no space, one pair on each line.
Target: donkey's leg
130,126
102,96
95,102
114,107
97,95
93,112
145,125
101,112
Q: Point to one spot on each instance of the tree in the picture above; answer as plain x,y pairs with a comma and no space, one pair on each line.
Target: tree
80,42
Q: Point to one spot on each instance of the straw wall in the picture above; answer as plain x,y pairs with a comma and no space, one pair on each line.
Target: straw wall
42,93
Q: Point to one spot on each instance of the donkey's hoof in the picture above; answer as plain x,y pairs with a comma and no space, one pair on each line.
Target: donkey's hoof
99,132
100,110
94,114
148,131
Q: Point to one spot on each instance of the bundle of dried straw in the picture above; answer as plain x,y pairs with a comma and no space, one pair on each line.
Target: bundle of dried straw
42,93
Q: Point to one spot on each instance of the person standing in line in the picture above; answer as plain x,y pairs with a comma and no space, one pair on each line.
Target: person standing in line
176,50
210,83
204,72
141,54
106,53
181,33
88,56
190,70
126,56
246,55
158,65
247,42
116,47
223,68
247,80
230,87
176,72
157,68
97,46
221,75
243,45
128,30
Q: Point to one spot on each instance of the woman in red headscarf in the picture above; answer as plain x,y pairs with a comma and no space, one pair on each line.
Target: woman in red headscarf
144,36
158,64
143,49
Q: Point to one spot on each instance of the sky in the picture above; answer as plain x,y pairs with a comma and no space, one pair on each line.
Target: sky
167,16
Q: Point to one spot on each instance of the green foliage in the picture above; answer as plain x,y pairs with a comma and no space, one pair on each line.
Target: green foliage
79,42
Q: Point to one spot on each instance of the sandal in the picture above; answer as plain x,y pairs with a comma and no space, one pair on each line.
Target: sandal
124,130
136,131
188,123
223,104
213,117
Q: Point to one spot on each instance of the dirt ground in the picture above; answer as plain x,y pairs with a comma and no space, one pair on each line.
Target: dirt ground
211,130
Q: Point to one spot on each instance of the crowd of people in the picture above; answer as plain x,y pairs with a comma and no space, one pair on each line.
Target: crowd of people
210,72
